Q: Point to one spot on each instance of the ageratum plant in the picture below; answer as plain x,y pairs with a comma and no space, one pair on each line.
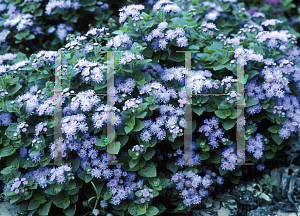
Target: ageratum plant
149,112
31,26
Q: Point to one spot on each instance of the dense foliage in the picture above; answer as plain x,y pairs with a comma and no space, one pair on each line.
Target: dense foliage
149,102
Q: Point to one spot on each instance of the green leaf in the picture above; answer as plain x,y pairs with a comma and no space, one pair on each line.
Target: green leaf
138,209
128,129
30,37
133,33
136,48
177,56
222,172
198,110
90,9
34,204
107,195
237,172
139,125
44,209
75,165
269,154
228,124
215,159
194,125
117,32
172,166
14,199
276,138
273,129
101,142
265,106
66,202
124,29
74,19
18,36
54,189
223,113
218,66
217,45
115,150
13,89
204,155
149,154
152,210
149,170
147,17
8,170
142,107
153,107
7,151
73,191
38,13
223,105
123,140
139,78
250,102
133,162
252,73
70,211
194,47
234,179
165,182
40,197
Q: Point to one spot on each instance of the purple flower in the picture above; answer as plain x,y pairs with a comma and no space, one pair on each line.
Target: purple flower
184,193
37,30
16,184
145,193
145,136
142,200
122,194
258,154
170,35
96,173
95,212
182,41
51,29
116,200
23,151
5,119
162,44
260,167
206,182
187,202
93,153
103,203
60,179
162,26
220,180
36,158
271,22
224,165
17,191
117,172
284,133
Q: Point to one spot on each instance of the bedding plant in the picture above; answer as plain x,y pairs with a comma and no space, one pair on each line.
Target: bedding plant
34,25
149,107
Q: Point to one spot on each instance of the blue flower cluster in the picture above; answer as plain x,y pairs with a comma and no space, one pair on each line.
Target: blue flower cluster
212,134
192,187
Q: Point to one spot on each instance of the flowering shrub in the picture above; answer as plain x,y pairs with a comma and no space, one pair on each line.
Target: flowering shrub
149,99
44,25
